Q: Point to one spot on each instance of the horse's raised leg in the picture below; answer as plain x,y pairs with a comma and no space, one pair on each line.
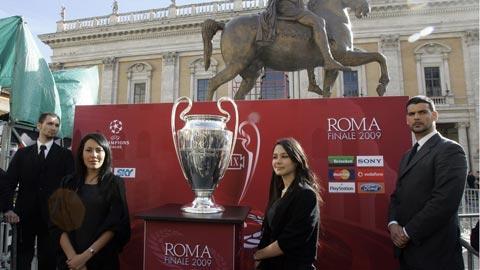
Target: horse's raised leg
328,81
249,77
312,83
224,76
350,58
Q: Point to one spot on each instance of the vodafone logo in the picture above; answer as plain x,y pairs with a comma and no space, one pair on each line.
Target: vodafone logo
370,174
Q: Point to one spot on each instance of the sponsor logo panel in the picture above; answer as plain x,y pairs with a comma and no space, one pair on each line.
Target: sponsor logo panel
341,174
336,187
369,161
116,142
370,174
371,187
125,172
341,161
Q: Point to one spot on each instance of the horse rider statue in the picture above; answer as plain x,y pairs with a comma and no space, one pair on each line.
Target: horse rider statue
294,10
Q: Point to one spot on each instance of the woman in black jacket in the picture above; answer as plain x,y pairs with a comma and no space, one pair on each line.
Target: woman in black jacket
291,224
105,228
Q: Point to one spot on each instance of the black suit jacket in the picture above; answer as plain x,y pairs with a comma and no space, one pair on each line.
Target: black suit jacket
426,199
294,224
37,180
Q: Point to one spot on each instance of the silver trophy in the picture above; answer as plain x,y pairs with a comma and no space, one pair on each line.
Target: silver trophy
204,147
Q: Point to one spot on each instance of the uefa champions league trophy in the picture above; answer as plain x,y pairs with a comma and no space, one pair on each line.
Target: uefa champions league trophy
204,147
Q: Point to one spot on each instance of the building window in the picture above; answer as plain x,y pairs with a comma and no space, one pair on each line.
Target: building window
350,83
353,83
274,85
139,93
271,85
433,69
139,81
202,86
433,84
199,78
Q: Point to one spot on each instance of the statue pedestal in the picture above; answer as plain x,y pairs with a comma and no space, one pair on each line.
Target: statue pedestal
177,240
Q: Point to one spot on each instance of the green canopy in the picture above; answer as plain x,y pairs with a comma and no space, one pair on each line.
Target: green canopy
75,87
8,32
24,70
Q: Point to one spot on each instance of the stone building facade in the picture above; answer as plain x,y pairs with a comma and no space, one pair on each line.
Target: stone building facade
157,55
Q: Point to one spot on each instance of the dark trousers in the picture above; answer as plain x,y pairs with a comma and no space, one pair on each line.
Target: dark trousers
46,248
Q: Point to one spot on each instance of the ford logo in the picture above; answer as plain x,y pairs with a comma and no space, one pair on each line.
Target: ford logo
370,187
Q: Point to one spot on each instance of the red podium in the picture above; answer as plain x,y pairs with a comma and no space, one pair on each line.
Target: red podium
177,240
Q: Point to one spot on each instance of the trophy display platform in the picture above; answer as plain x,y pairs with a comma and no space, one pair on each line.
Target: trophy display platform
174,239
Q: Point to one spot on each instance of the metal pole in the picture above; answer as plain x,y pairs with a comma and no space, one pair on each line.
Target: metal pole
5,151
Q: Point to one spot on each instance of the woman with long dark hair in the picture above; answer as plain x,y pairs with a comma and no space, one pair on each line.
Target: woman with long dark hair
291,224
105,227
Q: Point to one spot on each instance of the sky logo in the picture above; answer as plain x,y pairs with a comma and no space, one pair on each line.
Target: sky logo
124,172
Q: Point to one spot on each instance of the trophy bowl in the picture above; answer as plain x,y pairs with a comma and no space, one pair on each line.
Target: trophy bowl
204,147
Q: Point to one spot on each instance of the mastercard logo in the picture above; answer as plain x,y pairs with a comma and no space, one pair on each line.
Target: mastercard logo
342,174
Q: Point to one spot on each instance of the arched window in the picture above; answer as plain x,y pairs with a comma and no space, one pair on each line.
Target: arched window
139,83
432,69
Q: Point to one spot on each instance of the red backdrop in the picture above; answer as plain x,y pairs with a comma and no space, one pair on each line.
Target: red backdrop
353,144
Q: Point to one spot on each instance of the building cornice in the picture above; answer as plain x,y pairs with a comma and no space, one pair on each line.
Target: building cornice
191,23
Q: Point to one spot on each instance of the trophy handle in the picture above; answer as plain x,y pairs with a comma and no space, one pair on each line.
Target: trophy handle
182,117
219,106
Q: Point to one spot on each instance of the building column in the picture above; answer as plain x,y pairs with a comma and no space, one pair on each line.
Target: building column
169,87
291,85
471,55
420,78
463,137
108,94
390,47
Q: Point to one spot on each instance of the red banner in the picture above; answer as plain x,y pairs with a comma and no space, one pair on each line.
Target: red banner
353,144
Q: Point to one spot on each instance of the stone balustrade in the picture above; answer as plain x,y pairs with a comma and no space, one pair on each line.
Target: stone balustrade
173,11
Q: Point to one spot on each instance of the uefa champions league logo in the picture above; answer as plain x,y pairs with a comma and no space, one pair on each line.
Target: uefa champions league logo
116,142
116,126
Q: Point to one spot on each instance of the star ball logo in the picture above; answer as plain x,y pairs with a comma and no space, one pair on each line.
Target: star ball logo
115,127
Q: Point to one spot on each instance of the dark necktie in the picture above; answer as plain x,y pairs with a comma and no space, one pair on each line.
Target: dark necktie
412,153
41,155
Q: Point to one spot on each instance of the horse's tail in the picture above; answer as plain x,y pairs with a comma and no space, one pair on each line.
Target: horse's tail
209,29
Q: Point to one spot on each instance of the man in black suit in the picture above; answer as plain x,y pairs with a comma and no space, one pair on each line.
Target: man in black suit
423,221
471,179
37,169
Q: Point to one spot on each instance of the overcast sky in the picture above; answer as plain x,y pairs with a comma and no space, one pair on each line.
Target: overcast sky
42,15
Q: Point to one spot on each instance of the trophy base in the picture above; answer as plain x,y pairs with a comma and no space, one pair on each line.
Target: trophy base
203,205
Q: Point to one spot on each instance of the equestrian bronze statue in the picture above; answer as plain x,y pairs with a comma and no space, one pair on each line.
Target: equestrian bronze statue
286,41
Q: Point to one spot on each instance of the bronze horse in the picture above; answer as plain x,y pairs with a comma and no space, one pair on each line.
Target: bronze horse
292,50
